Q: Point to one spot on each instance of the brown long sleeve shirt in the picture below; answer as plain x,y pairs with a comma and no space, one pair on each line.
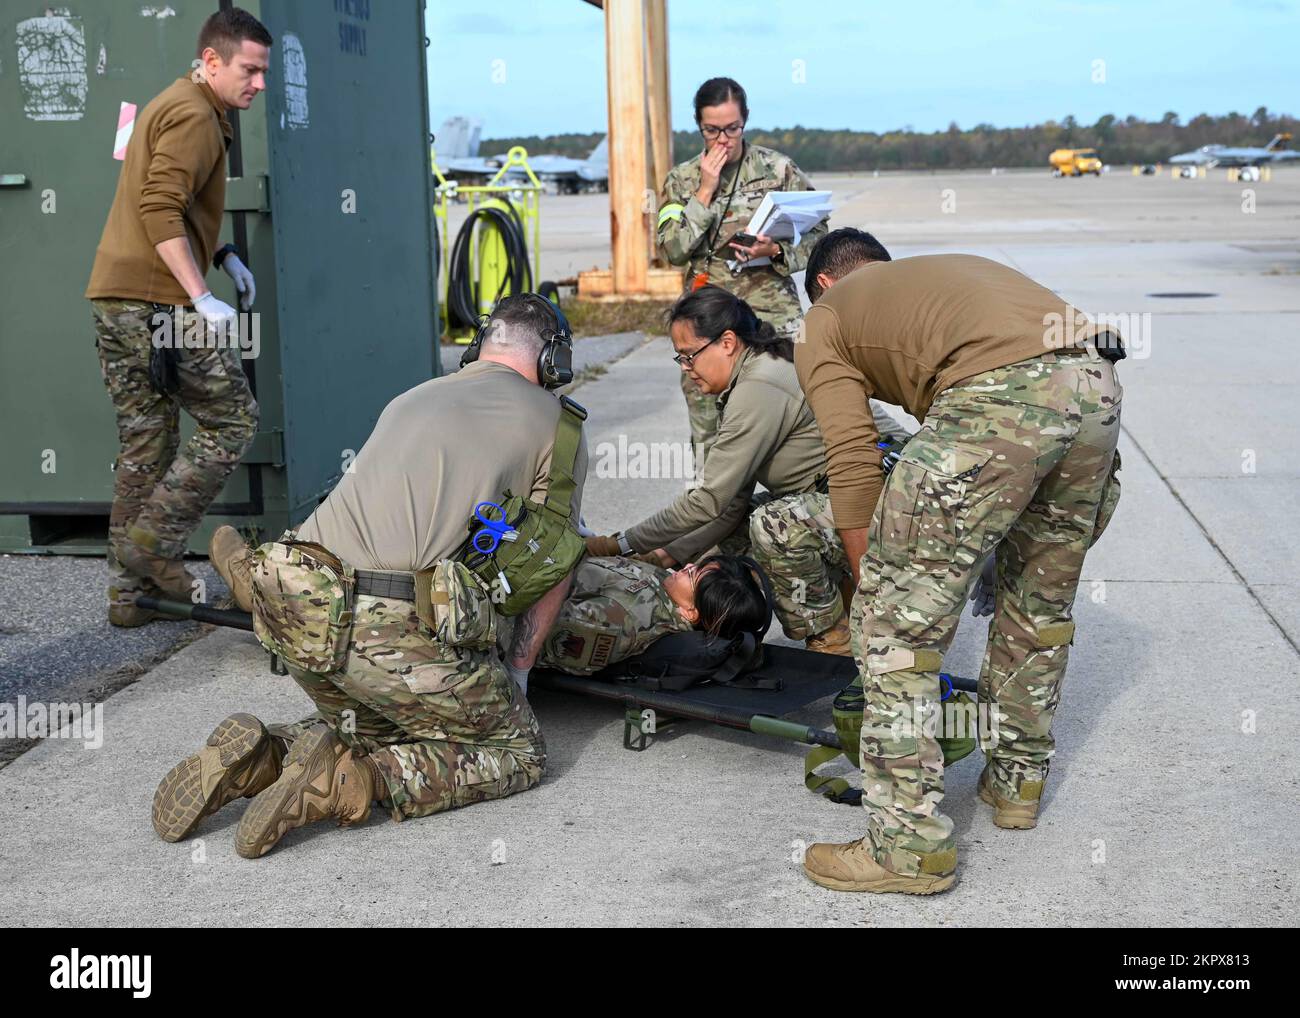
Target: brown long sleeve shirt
172,184
903,332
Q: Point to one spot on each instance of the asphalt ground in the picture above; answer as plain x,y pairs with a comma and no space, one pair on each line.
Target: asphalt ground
1173,797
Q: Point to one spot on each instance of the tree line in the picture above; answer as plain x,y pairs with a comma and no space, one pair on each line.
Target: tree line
1130,140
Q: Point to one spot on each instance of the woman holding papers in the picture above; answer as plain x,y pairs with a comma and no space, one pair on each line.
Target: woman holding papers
712,198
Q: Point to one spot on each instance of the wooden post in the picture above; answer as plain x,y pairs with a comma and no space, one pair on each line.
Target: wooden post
625,40
661,126
659,99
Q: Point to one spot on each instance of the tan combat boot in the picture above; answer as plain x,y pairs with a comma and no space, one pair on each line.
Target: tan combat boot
170,576
239,759
123,612
835,640
851,867
1007,813
229,556
321,779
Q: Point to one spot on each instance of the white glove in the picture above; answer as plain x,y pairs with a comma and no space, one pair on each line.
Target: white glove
244,283
982,596
585,531
216,313
519,676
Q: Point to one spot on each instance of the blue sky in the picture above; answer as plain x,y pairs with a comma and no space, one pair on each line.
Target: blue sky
539,67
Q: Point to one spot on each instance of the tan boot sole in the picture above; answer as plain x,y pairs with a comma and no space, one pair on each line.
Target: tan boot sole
201,784
1003,818
883,885
292,802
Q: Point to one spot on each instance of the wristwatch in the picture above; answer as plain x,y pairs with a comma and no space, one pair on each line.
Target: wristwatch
623,545
219,255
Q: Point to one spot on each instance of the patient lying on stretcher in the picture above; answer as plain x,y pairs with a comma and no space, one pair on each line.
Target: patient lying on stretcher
617,607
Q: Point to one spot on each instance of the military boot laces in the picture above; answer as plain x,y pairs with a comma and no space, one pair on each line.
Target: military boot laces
239,759
1009,813
229,556
852,867
321,779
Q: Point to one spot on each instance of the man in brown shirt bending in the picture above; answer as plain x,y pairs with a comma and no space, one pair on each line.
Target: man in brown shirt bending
1017,453
159,239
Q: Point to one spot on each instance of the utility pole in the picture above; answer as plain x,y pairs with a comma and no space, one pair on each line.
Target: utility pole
636,71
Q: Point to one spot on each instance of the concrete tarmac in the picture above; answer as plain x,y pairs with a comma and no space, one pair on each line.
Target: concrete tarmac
1174,791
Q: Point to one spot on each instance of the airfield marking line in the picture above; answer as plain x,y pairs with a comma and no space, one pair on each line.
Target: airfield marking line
1213,543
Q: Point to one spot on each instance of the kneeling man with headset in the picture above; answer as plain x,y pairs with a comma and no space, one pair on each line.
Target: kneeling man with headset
383,604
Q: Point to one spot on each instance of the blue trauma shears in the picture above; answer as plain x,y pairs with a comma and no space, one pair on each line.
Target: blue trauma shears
495,528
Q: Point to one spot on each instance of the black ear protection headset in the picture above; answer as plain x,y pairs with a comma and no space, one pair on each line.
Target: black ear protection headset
554,363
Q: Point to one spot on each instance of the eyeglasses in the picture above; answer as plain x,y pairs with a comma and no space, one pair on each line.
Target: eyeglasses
686,360
731,131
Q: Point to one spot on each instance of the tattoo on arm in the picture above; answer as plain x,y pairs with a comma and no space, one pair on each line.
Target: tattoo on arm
524,635
532,626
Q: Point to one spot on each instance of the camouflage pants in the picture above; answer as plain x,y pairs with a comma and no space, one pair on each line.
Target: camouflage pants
157,494
795,541
446,727
1019,459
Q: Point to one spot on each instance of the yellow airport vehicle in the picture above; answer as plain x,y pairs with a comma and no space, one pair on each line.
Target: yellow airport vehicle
1075,162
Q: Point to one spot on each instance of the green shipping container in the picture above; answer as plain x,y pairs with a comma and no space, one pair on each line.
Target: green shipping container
330,196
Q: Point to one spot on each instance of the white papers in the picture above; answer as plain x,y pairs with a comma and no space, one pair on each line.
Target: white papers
786,215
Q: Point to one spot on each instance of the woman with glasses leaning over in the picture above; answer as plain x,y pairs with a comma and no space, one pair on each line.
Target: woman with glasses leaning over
766,435
706,202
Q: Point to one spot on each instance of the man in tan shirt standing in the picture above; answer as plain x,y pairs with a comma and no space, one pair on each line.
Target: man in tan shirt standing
1017,454
159,239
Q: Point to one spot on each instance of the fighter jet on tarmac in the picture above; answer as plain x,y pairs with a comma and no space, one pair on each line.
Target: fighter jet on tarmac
1222,155
456,151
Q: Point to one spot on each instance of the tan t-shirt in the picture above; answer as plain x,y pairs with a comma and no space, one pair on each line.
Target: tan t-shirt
437,451
903,332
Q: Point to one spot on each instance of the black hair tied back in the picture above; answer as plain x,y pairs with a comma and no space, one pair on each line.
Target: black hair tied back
712,311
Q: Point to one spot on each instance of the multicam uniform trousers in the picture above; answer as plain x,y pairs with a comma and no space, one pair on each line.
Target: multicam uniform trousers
158,492
447,727
1020,459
